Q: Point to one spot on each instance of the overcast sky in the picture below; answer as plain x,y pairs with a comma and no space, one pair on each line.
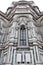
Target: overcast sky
4,4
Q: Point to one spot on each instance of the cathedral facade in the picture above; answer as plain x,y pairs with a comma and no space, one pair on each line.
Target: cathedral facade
21,34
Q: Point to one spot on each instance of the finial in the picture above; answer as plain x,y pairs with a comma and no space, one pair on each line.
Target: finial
22,0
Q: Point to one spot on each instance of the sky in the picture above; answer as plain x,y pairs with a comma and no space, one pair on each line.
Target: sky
4,4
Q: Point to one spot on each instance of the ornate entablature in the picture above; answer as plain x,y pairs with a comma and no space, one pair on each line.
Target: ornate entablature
21,34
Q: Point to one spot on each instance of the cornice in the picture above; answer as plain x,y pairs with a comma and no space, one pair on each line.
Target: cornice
5,15
2,47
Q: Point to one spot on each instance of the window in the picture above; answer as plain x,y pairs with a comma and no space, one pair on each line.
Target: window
27,57
22,36
23,57
18,58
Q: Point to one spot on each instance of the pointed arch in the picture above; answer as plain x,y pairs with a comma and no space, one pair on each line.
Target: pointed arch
22,36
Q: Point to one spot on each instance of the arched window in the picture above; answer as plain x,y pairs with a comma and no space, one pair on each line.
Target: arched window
22,36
